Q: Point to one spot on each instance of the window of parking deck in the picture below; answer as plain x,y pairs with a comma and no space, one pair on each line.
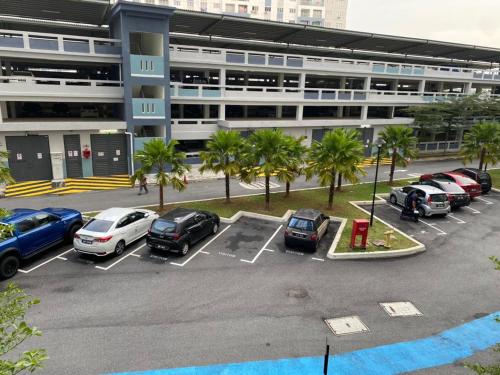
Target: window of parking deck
150,44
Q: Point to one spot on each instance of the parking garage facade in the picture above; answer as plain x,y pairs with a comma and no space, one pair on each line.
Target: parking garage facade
89,87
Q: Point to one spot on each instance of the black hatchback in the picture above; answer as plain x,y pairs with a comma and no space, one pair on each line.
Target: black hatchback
481,177
181,228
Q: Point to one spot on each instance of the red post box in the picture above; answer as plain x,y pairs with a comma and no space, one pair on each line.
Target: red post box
359,228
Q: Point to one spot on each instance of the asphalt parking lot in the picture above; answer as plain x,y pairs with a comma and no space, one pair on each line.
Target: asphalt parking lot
242,243
483,212
240,295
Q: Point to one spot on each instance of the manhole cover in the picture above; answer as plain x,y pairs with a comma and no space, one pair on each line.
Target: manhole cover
400,309
297,293
346,326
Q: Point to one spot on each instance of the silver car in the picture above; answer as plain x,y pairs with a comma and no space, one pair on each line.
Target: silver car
433,201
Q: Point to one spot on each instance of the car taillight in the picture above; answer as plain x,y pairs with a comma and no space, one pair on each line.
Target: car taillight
104,239
314,237
429,199
450,196
176,236
76,235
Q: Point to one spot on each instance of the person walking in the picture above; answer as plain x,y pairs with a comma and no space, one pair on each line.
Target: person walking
143,185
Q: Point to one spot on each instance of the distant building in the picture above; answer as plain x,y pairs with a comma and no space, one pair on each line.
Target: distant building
328,13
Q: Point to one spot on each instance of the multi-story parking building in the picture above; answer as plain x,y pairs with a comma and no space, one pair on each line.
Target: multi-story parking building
83,85
328,13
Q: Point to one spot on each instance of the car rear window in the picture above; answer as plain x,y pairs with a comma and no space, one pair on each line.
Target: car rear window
439,197
164,226
96,225
301,224
465,180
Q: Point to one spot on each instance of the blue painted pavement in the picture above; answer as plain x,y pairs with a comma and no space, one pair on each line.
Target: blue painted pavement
445,348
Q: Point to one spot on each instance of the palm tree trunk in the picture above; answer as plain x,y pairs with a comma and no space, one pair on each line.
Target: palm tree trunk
267,192
228,198
287,194
331,193
339,182
481,158
161,197
393,166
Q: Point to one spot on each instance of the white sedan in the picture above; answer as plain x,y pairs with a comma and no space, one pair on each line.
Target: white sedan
112,230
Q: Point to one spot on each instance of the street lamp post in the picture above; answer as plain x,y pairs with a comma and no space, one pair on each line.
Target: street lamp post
379,144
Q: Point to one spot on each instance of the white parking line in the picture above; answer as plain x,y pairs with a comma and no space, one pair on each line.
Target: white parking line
119,260
205,252
263,247
272,251
474,211
433,226
414,175
200,250
47,261
319,259
136,255
484,200
459,221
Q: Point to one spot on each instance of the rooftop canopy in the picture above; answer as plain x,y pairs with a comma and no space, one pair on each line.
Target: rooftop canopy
293,37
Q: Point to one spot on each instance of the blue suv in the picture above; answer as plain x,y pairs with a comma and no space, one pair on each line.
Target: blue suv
34,231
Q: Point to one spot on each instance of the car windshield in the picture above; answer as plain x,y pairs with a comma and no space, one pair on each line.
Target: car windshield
96,225
439,197
302,224
164,226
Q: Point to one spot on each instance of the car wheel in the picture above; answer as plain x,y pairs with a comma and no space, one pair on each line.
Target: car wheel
393,199
421,212
120,248
71,233
185,248
215,228
9,266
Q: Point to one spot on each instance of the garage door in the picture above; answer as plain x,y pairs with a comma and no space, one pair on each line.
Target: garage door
73,155
29,158
109,154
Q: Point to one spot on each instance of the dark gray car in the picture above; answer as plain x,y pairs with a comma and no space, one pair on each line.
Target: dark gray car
306,228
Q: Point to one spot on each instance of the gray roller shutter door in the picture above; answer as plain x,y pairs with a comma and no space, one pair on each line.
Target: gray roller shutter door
29,158
109,154
72,152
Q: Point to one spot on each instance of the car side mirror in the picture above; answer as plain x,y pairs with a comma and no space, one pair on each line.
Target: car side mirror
146,215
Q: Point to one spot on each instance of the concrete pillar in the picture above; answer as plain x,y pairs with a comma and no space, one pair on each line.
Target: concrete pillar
3,111
8,69
245,111
343,81
391,112
440,86
222,77
206,111
364,112
302,80
222,112
246,79
468,88
279,111
281,79
394,85
421,86
367,83
300,113
12,108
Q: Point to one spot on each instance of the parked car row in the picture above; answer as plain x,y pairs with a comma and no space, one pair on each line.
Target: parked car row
440,192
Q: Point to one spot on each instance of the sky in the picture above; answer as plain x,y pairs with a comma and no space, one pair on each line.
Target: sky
475,22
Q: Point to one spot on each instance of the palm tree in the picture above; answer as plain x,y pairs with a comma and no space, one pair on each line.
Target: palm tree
222,155
483,142
400,145
265,154
351,168
337,152
155,156
294,163
5,176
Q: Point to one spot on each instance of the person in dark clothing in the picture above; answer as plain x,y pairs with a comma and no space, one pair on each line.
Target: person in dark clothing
143,185
411,204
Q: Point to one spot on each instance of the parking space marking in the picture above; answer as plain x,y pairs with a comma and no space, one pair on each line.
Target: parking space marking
474,211
263,247
119,260
201,249
318,259
433,226
227,254
205,252
136,255
47,261
294,252
459,221
271,251
484,200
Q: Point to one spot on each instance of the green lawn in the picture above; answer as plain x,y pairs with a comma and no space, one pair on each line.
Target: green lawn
314,198
495,176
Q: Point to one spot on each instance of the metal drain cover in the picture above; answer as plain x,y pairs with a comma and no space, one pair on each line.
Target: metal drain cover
395,309
346,325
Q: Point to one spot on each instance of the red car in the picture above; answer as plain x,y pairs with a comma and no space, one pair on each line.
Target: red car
466,183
